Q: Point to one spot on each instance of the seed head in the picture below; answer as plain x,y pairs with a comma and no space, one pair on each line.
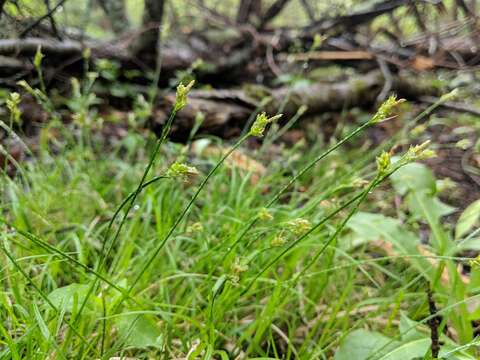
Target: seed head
383,162
260,123
182,171
299,226
182,92
278,240
264,215
386,109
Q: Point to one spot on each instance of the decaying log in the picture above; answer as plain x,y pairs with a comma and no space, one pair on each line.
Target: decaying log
227,112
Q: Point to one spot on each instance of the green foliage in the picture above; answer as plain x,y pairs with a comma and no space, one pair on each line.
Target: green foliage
105,254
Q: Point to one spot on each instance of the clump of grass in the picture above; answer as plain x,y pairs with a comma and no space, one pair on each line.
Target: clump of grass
196,260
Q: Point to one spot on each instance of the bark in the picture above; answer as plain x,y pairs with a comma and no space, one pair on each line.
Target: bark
116,13
148,45
308,10
227,112
349,22
2,2
244,11
272,12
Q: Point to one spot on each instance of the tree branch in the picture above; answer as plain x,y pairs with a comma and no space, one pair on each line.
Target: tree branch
272,12
308,10
116,14
2,2
152,21
40,19
244,10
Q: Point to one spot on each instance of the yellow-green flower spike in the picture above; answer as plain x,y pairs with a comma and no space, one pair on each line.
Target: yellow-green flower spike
278,240
299,226
182,171
182,92
261,122
383,162
12,105
264,215
386,109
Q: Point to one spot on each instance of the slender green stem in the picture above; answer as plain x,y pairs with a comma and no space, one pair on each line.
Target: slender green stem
298,240
310,165
185,210
332,238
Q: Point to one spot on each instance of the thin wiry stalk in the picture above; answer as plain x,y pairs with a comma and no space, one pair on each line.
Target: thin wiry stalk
104,255
310,165
186,209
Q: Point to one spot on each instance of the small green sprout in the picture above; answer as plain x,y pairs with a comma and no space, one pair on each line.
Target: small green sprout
418,130
299,226
386,109
464,144
12,104
261,122
318,40
452,95
264,215
182,171
86,53
37,60
182,92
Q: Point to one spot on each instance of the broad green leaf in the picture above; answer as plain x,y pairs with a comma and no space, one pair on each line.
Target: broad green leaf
414,176
139,331
408,350
63,297
426,206
360,344
468,219
371,227
410,329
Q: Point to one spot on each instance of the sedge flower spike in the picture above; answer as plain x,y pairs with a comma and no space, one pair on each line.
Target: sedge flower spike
420,152
383,162
181,97
182,171
261,122
13,103
386,109
264,215
299,226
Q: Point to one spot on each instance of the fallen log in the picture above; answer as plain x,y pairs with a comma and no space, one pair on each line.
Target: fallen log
226,113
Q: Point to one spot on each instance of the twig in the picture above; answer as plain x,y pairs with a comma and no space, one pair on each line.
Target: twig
387,86
459,107
433,323
2,2
52,20
40,19
308,10
272,12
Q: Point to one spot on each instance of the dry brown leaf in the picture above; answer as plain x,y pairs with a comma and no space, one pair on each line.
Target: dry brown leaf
422,63
238,160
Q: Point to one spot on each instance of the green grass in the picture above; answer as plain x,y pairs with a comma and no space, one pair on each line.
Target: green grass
219,265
